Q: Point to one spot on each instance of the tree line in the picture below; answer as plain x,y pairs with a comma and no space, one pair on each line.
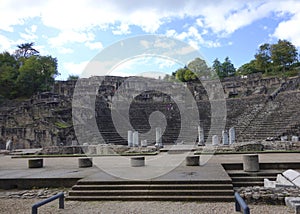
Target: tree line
26,72
279,59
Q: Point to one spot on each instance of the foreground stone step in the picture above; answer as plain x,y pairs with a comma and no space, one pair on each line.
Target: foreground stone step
154,187
147,192
153,182
154,198
247,184
252,179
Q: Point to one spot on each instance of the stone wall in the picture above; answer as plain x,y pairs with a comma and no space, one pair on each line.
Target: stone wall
46,119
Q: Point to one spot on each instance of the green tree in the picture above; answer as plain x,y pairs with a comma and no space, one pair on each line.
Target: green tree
217,66
73,77
263,58
8,75
247,68
36,75
199,68
26,50
228,68
284,54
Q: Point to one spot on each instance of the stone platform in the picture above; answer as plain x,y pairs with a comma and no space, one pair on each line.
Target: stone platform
58,172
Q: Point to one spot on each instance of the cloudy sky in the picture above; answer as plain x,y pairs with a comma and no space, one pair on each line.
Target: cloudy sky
76,31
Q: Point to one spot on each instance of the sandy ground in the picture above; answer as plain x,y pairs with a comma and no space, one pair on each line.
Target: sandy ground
14,206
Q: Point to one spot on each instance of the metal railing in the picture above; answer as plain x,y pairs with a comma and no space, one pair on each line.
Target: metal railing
241,204
61,196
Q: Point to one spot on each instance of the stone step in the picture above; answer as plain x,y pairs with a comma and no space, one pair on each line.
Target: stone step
240,173
155,182
147,192
221,198
155,187
246,184
251,179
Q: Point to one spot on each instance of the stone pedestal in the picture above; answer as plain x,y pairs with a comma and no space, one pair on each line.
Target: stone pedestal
144,143
215,140
85,162
200,136
250,163
231,135
225,138
35,163
192,160
130,139
295,138
158,137
135,139
137,161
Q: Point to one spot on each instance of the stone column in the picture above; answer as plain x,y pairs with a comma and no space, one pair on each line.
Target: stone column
231,135
129,138
295,138
158,137
215,140
137,161
144,143
192,160
200,136
225,137
135,139
250,163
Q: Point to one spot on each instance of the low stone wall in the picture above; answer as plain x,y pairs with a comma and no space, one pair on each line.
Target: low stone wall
101,149
262,195
53,150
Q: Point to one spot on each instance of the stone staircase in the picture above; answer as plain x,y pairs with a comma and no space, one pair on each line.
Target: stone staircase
254,118
275,118
201,191
244,179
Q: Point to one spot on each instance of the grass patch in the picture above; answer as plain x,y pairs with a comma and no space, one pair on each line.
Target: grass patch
245,152
62,125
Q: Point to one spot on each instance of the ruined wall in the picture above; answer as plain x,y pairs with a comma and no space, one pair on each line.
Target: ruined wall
43,120
261,108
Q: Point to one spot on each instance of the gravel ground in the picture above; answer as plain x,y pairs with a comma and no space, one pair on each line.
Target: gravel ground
16,206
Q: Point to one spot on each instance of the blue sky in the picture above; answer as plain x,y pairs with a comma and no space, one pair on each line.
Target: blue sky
76,31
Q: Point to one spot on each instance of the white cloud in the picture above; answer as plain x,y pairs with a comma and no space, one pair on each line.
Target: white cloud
220,17
64,50
30,34
69,37
288,30
122,29
75,68
94,45
193,37
5,43
33,28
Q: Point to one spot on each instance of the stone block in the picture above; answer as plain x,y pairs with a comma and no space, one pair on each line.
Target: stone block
85,162
293,202
282,181
192,160
215,140
35,163
250,163
269,184
297,182
291,174
295,138
144,143
137,161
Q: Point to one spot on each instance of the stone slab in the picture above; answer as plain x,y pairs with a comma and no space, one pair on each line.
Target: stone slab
269,184
297,182
293,202
282,181
291,174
